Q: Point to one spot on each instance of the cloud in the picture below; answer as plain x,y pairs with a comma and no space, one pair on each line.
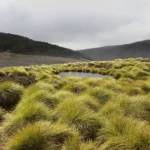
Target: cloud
77,24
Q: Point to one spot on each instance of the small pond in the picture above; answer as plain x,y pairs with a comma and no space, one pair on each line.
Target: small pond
83,75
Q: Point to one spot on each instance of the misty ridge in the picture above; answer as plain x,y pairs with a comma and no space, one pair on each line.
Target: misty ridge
133,50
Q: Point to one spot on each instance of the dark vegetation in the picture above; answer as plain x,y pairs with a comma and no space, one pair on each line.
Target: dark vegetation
133,50
72,113
23,45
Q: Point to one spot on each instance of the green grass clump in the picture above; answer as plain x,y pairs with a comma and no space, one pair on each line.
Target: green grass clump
28,113
133,90
63,95
141,74
42,76
41,136
111,107
76,88
93,82
75,144
56,81
72,79
73,112
2,73
40,86
146,87
18,72
101,94
10,94
135,107
1,114
41,96
72,143
120,132
88,146
44,86
90,102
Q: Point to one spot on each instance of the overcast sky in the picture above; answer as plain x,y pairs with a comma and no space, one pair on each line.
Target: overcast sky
77,24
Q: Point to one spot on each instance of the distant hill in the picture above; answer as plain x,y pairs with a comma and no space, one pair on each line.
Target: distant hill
133,50
23,45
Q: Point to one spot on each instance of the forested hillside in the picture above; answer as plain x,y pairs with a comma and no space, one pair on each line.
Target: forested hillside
23,45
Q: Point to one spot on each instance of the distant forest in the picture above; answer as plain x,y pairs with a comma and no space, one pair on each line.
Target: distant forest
19,44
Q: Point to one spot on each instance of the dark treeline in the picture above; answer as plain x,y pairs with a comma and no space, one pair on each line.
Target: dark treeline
19,44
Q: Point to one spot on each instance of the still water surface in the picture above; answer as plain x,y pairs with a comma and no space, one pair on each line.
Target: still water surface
83,75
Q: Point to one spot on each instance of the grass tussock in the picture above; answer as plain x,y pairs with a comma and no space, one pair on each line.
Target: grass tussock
90,102
10,94
41,136
57,82
42,96
18,72
40,86
63,95
73,112
119,132
76,88
101,94
93,82
134,107
28,113
1,114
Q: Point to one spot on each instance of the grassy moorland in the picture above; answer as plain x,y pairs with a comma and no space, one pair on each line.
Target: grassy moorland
41,111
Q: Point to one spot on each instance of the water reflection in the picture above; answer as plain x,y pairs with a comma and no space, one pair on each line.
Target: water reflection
83,75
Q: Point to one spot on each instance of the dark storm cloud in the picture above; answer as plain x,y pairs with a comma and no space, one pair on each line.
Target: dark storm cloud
77,24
